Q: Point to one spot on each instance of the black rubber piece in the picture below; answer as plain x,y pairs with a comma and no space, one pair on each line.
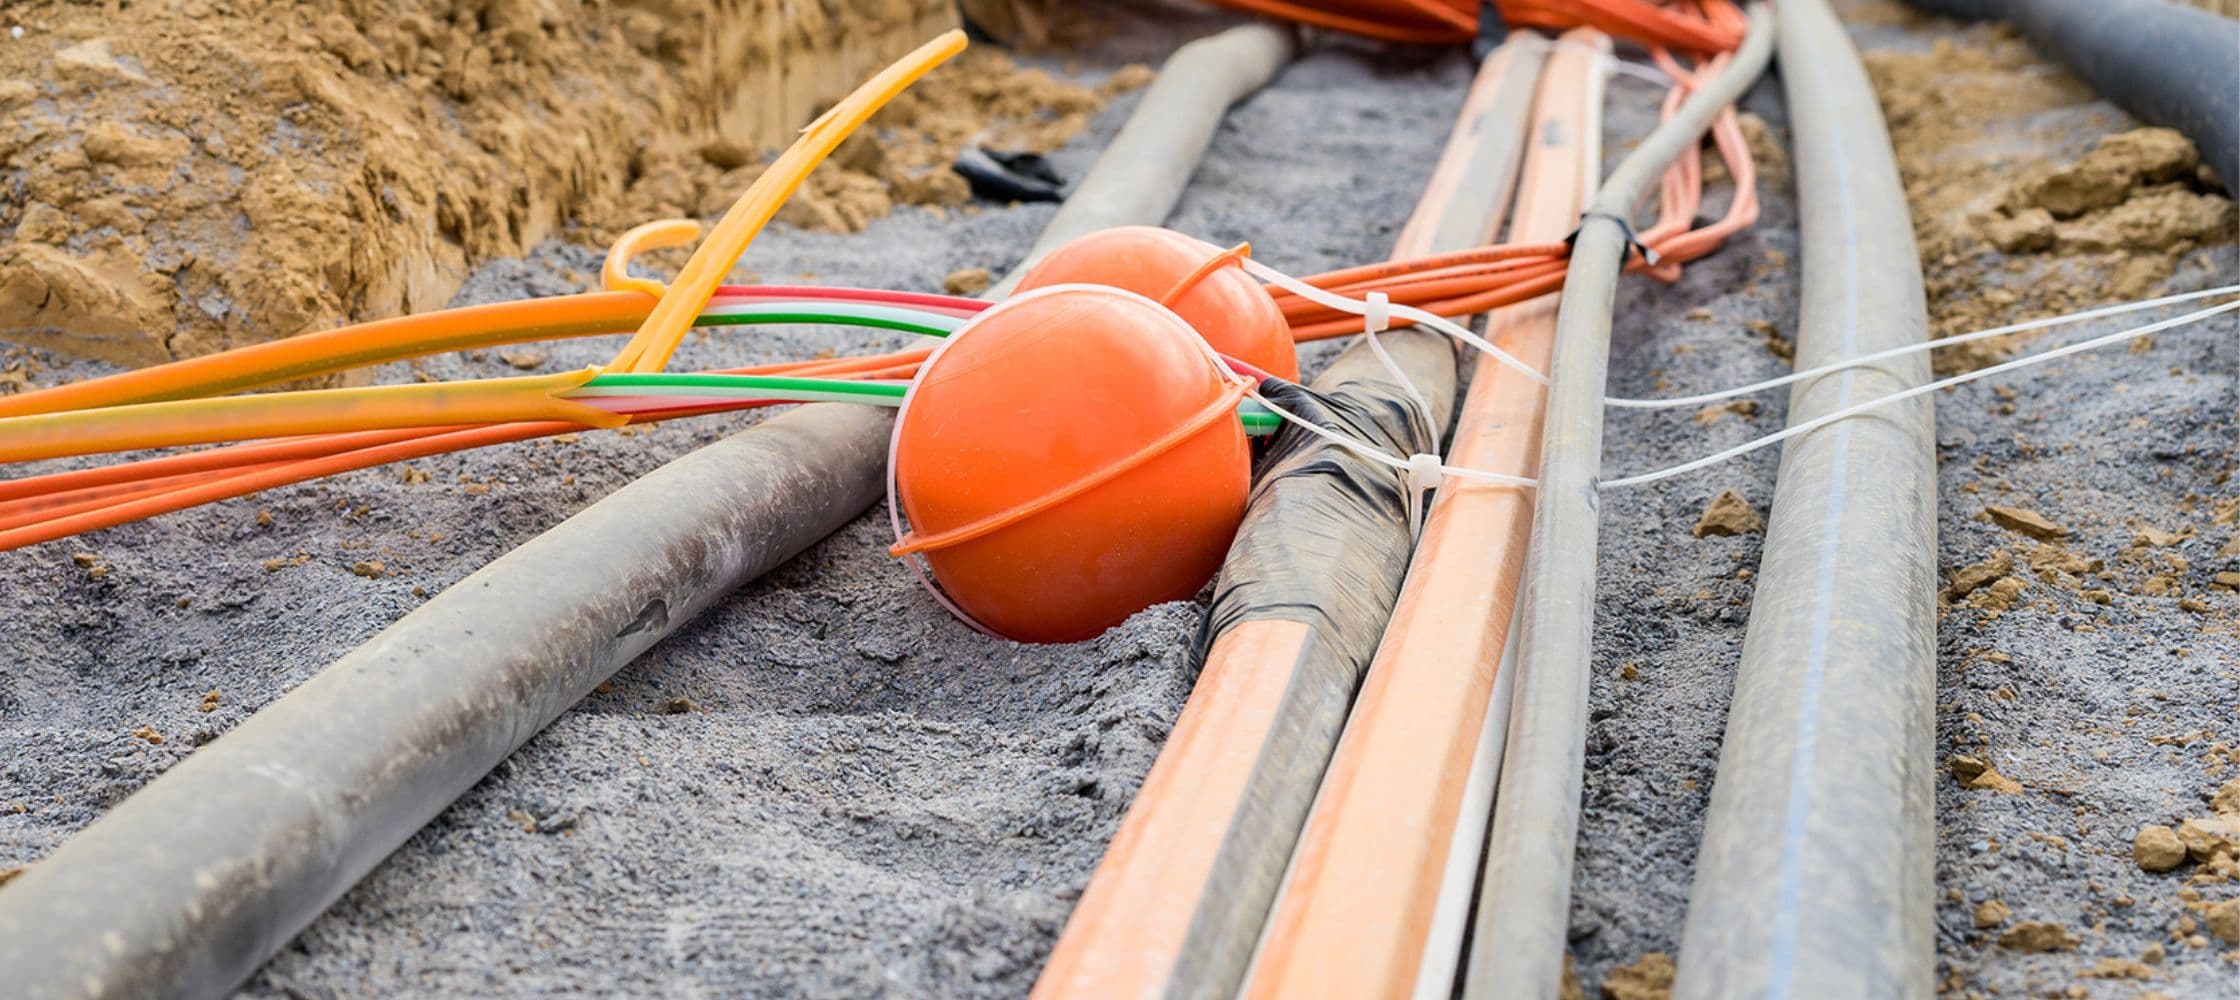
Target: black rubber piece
2166,64
1492,31
1009,177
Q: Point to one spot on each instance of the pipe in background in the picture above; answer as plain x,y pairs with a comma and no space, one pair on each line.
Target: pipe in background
1141,175
2166,63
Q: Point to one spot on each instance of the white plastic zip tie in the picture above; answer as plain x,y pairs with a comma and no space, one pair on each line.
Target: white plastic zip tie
1377,320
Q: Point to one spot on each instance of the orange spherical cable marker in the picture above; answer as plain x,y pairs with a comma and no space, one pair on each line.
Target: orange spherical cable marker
1201,283
1068,458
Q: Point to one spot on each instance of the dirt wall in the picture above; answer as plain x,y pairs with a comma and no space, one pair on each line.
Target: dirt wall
183,176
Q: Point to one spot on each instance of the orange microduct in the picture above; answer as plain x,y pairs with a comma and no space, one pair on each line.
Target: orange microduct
1357,906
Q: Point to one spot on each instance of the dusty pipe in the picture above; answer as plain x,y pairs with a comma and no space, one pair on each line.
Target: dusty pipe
1141,175
1814,879
186,887
1524,906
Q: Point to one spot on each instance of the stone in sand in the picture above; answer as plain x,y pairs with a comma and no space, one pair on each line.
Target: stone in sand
1991,913
2026,521
1728,514
2157,849
2038,936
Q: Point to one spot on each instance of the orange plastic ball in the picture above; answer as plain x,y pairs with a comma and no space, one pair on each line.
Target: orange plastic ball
1225,306
1068,458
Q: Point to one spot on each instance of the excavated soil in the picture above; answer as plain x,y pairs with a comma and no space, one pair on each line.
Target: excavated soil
827,786
190,175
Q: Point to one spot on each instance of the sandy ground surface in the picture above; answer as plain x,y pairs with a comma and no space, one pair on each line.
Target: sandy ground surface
826,786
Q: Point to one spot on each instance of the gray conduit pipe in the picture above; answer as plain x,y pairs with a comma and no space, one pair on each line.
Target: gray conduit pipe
1814,879
186,887
1524,900
1141,176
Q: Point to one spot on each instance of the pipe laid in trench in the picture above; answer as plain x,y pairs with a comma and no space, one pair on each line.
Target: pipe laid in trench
1179,898
1378,893
187,886
1524,903
2166,63
1814,878
1142,173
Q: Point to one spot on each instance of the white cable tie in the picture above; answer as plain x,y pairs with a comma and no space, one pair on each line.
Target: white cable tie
1377,318
1426,471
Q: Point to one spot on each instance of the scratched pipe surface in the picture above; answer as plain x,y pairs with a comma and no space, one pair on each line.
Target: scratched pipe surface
1814,879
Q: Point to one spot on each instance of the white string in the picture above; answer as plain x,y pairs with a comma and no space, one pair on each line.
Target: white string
1417,466
1929,387
1899,352
1366,310
1376,321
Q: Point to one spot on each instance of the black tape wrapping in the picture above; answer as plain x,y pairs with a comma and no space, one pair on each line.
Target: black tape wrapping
1325,540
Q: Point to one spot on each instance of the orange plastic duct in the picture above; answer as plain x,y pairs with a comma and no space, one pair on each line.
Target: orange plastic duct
1132,933
1357,907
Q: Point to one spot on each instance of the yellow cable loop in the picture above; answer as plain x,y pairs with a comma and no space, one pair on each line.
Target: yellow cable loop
660,234
664,329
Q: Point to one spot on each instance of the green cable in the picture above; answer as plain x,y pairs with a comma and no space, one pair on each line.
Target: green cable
723,385
832,314
1257,422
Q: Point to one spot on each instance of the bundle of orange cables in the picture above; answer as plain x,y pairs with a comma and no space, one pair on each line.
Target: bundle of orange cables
1472,281
1690,26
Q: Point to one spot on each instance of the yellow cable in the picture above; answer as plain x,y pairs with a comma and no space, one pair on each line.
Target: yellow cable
317,411
660,234
665,327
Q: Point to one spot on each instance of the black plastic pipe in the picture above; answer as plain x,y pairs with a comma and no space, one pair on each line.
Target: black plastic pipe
2166,63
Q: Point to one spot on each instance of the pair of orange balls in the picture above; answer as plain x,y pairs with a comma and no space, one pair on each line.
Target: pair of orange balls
1073,455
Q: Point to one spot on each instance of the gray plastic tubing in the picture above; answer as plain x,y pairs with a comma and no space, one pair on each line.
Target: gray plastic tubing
1814,878
1141,175
2166,63
189,885
1524,900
